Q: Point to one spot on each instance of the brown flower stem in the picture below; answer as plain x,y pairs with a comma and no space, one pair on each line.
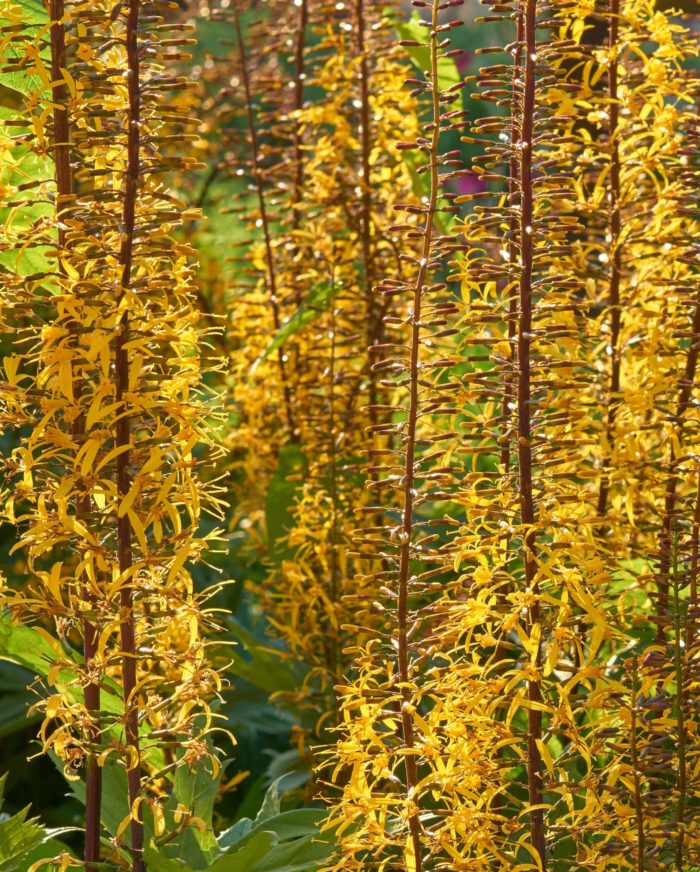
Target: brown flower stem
299,46
682,778
684,386
509,381
61,132
614,308
636,779
123,433
374,324
404,668
527,504
267,235
333,663
64,193
693,570
513,190
614,227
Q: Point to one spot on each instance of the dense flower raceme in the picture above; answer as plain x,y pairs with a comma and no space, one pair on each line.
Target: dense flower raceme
471,388
313,259
540,606
106,382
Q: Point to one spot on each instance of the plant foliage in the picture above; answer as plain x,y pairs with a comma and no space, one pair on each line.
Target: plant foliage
349,403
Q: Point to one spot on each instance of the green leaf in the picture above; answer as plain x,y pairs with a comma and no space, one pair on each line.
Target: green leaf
26,647
22,837
295,823
448,74
235,833
19,165
32,11
158,862
282,493
27,262
13,714
16,698
251,850
18,836
287,825
271,802
32,14
302,854
290,767
196,789
317,302
115,803
51,848
260,664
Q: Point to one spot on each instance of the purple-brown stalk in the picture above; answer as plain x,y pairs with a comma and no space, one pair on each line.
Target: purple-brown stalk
374,324
299,76
685,387
694,604
64,193
636,780
267,235
409,466
614,227
527,503
333,649
681,700
123,430
513,190
509,389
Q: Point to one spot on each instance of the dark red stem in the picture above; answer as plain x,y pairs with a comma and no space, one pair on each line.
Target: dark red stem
123,430
509,382
684,386
527,505
298,103
64,193
636,779
374,325
614,226
693,572
404,668
267,236
513,252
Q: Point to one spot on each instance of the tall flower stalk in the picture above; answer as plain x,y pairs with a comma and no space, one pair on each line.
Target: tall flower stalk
524,399
273,290
108,378
615,247
122,438
64,197
379,816
463,448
